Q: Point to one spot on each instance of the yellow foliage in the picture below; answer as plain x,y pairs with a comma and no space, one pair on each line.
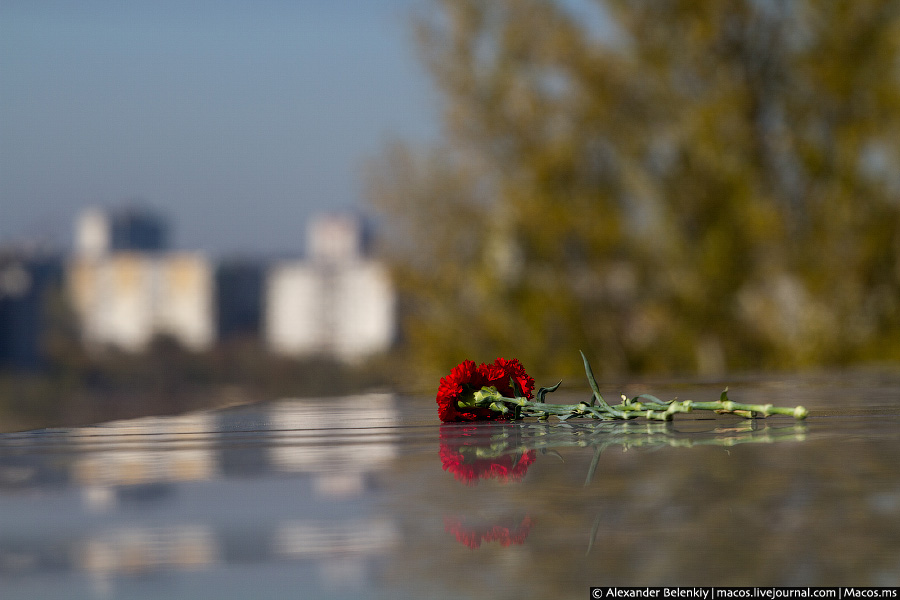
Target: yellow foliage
701,185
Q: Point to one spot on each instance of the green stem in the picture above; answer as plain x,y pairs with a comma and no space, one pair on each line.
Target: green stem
652,409
798,412
633,410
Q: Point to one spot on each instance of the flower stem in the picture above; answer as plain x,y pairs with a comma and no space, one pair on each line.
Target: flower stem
651,411
764,410
644,406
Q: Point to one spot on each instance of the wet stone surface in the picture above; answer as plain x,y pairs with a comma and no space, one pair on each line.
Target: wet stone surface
369,496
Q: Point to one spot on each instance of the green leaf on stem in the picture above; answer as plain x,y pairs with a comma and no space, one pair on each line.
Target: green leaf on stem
596,390
542,392
653,398
591,380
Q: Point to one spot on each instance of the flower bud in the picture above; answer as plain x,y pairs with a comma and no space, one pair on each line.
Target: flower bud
486,396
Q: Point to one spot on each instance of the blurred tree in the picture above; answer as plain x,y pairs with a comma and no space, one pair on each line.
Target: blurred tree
694,186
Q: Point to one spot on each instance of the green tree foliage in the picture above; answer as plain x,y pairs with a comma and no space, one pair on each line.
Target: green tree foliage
696,185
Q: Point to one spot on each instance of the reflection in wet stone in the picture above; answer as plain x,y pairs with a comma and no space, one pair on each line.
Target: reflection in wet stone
145,499
503,453
371,496
473,533
471,453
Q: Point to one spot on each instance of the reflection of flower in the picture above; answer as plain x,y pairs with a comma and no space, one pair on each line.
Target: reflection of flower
469,459
466,378
474,534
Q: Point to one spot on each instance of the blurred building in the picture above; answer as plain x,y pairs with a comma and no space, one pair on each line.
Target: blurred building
27,282
126,289
100,232
338,302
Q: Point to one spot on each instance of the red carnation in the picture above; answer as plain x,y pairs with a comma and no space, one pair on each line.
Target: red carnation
501,371
466,378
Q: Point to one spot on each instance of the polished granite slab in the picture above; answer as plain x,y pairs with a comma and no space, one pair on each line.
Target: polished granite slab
370,496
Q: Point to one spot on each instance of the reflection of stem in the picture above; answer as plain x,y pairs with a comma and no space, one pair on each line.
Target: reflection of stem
661,434
552,452
594,529
629,434
543,436
594,462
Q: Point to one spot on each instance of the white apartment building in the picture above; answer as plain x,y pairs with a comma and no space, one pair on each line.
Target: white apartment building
125,297
337,302
126,289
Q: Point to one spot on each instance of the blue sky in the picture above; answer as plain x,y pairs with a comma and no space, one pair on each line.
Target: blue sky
238,119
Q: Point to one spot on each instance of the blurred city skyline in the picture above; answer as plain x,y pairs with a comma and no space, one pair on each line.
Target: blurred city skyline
238,122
